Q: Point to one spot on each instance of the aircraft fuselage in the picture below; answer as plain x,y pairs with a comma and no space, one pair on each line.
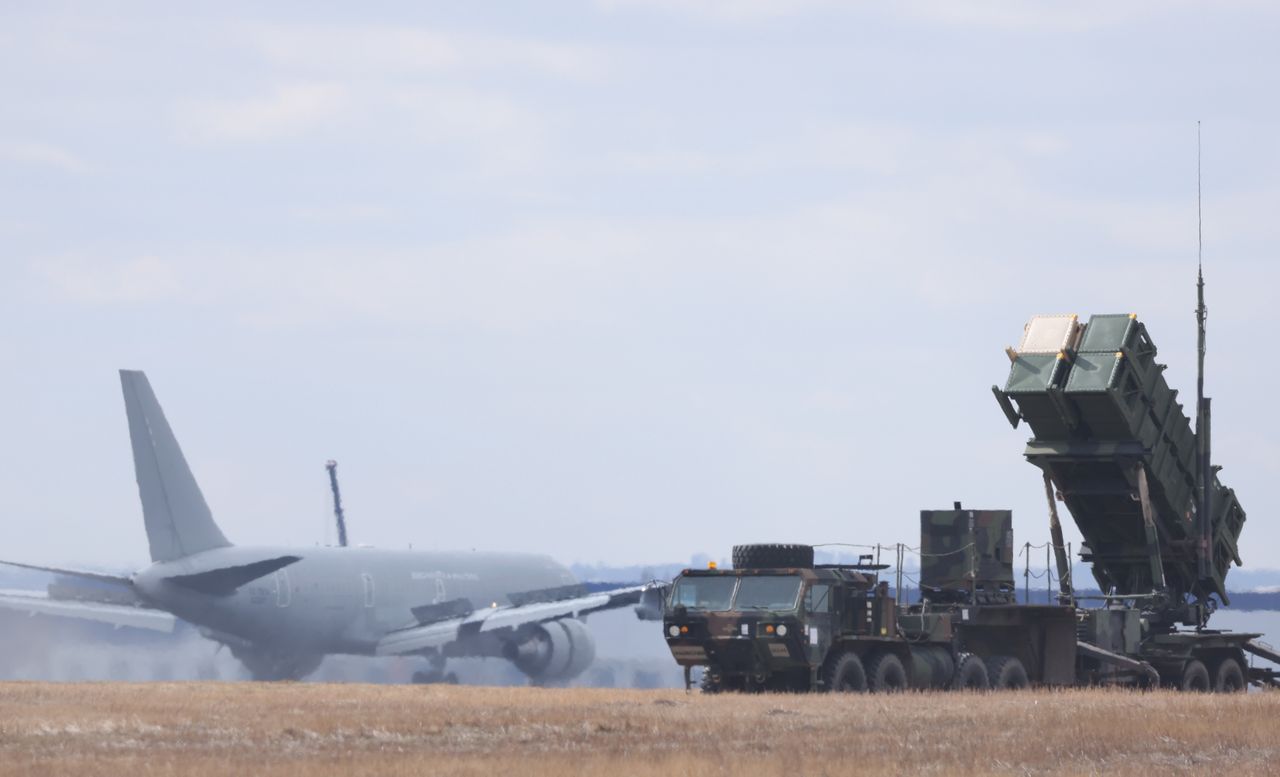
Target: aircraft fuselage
342,600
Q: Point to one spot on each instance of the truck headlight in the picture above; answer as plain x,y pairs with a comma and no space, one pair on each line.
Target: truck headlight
782,629
673,630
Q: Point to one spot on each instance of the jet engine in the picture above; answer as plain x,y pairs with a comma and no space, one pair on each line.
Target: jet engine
552,652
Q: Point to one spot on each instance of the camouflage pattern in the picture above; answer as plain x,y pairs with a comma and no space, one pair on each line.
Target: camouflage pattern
846,615
928,640
1121,453
967,556
779,649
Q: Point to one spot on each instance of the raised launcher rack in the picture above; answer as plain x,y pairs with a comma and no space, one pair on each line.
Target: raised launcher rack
1116,445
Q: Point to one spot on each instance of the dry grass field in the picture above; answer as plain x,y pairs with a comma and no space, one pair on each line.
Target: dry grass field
314,730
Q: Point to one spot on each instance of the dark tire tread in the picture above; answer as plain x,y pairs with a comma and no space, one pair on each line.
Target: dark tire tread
844,674
971,674
773,556
1195,677
885,674
1006,673
1228,676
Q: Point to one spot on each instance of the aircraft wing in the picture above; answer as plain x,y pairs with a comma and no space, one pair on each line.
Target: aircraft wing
439,633
117,615
100,577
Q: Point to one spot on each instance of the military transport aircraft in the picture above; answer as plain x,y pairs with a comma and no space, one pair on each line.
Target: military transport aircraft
280,610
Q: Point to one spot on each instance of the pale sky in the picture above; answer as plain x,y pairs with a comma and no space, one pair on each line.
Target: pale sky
617,281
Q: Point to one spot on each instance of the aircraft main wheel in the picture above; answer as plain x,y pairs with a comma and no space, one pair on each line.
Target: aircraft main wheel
971,674
1228,677
885,674
1195,677
269,666
434,678
1006,673
845,674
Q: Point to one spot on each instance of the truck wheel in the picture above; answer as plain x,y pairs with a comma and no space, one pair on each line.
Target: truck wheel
971,674
1194,677
1006,673
710,684
845,674
772,556
885,674
1228,677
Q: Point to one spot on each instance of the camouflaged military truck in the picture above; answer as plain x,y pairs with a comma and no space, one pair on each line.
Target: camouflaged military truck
1160,532
777,621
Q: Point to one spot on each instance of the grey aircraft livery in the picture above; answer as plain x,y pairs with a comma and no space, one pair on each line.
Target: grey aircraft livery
280,610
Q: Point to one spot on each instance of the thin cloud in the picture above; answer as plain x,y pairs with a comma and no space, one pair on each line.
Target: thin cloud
724,10
347,213
42,155
499,128
1013,15
102,281
365,50
288,111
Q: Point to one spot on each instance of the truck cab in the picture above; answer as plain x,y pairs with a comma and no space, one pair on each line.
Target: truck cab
773,623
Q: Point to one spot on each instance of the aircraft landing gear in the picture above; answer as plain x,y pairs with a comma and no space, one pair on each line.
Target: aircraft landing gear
435,674
269,666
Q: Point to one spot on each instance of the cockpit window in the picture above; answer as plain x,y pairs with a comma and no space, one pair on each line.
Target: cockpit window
703,593
772,592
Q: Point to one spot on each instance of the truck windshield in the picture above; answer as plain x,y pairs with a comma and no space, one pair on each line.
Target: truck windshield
703,593
767,593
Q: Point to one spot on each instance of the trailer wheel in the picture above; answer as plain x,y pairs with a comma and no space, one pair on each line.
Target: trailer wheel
1006,673
885,674
1228,677
1195,677
772,556
845,674
971,674
708,683
712,684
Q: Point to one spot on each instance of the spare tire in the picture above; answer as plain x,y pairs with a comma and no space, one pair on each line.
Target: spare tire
772,556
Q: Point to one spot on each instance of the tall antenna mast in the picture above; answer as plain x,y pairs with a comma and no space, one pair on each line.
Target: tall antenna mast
1201,312
1204,471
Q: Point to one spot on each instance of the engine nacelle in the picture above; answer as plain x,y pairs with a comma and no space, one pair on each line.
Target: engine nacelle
551,652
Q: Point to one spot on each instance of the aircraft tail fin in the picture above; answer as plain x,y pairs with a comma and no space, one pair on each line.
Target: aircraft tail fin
178,520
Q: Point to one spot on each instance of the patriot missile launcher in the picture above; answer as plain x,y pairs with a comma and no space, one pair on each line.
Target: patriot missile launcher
1115,446
1160,528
